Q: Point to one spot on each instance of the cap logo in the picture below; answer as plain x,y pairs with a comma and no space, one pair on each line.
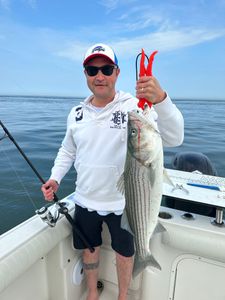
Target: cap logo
98,48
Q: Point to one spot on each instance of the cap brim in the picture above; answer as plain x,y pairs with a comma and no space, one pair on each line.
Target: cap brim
97,55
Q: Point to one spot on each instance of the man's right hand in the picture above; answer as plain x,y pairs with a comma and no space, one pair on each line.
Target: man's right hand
49,188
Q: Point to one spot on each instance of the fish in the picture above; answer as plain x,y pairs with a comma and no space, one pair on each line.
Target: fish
142,185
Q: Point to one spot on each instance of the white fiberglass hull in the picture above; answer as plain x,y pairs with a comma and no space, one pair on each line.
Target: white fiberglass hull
37,262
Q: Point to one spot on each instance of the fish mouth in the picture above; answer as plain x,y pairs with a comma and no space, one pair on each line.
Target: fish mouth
138,115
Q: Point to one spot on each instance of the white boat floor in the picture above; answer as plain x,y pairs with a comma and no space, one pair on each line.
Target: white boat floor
109,292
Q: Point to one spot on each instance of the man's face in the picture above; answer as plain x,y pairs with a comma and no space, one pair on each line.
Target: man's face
102,86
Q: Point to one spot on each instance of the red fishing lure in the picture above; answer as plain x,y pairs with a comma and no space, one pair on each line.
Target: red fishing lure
145,72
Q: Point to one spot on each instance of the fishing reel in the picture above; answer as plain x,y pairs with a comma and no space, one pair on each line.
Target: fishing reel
48,216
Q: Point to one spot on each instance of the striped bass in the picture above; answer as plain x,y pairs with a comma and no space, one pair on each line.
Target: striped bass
142,183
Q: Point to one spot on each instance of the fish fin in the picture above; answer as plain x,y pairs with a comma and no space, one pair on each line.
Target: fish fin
161,229
125,223
151,176
167,179
120,184
140,264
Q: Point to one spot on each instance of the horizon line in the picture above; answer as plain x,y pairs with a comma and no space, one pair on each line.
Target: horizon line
83,97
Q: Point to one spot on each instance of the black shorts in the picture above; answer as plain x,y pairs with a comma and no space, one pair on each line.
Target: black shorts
90,224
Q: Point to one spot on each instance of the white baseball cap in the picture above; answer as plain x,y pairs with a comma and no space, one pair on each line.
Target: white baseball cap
100,50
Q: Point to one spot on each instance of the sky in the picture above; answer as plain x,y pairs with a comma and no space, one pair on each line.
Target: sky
42,44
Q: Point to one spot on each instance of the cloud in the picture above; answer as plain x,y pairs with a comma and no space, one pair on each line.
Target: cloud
138,20
31,3
148,29
74,52
163,41
149,15
5,4
169,40
111,5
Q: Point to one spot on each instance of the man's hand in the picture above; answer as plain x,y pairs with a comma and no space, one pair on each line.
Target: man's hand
49,188
149,88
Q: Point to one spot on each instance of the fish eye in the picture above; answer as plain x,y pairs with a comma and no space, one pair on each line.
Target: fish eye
133,132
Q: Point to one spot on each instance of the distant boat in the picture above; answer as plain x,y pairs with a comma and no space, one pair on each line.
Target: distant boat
39,263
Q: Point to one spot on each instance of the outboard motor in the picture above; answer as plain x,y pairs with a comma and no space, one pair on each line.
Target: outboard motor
192,161
189,162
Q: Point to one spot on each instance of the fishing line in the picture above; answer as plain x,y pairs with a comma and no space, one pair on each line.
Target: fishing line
3,137
18,178
44,213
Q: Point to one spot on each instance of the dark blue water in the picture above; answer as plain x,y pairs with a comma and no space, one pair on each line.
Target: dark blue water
38,125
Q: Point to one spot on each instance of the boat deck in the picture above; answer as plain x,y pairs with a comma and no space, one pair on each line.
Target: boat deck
110,292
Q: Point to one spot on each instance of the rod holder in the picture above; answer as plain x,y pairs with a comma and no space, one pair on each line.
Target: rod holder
219,217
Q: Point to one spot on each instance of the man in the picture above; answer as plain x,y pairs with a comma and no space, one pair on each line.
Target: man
95,142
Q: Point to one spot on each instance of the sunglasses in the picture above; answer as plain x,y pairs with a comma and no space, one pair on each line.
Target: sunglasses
106,70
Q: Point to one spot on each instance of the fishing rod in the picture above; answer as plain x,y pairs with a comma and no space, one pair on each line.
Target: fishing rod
44,213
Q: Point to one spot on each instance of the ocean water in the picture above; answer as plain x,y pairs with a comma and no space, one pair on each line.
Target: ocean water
38,125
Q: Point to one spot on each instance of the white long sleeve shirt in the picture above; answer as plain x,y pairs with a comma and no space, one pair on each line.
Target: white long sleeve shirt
96,143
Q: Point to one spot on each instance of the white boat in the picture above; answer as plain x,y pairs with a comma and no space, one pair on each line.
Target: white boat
39,263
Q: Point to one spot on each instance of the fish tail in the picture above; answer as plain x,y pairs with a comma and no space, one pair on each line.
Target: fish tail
141,264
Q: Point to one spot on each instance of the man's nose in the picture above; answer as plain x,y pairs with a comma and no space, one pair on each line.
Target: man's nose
100,75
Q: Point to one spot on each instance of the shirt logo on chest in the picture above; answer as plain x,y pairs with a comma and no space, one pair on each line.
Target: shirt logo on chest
118,119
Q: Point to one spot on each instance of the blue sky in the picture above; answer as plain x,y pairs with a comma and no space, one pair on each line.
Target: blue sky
42,43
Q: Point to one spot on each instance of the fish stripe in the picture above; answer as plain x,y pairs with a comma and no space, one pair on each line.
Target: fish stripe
137,177
143,184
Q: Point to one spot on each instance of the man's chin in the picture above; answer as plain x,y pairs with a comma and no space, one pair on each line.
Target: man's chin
101,91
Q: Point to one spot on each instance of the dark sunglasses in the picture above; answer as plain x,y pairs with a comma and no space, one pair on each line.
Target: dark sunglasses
106,70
